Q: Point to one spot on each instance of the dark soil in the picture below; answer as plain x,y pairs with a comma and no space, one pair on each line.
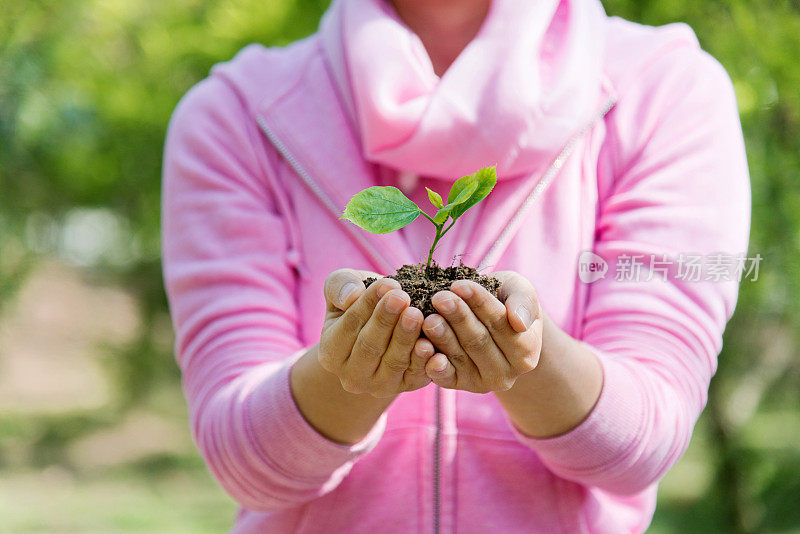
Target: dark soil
421,286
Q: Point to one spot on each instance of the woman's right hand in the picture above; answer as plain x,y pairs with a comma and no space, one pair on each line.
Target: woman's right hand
370,339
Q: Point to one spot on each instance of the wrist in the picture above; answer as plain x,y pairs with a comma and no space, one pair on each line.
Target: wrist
338,415
560,392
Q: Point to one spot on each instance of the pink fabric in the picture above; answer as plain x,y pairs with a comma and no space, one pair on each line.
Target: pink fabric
248,241
511,84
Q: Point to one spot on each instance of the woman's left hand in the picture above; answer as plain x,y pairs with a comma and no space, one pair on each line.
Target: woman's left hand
484,344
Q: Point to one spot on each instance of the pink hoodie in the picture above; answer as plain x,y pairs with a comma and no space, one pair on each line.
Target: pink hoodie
260,160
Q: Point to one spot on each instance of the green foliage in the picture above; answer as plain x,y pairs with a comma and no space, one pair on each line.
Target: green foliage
435,198
457,199
381,210
484,181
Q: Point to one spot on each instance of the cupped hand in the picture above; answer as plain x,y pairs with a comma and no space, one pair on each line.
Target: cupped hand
370,338
484,344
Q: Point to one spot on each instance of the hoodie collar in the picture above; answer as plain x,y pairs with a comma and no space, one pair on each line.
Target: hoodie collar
529,79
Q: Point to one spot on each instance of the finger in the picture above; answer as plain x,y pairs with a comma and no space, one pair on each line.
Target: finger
374,337
521,301
444,339
397,358
472,335
344,286
415,376
441,371
353,319
489,311
423,350
521,349
342,328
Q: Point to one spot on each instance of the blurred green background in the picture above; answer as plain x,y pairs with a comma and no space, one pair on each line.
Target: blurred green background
93,432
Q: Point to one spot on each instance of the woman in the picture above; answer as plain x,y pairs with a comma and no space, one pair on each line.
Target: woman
555,410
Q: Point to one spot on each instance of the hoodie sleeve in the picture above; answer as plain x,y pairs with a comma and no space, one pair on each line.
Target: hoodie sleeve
229,271
681,187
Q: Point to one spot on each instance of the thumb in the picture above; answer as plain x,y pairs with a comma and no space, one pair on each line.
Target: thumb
344,286
441,371
520,299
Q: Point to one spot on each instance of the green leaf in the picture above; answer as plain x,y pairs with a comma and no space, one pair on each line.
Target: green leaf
380,210
441,215
466,189
435,198
484,181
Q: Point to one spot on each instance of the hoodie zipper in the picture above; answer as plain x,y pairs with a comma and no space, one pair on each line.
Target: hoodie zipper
543,184
374,255
502,239
437,445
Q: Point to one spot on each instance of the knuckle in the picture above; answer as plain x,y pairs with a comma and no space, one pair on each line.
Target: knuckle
520,365
416,378
458,359
367,347
505,384
351,385
526,363
458,317
492,380
405,340
351,321
480,301
384,319
415,371
498,381
499,321
395,365
477,341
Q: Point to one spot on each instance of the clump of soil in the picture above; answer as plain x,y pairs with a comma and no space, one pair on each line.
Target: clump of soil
421,285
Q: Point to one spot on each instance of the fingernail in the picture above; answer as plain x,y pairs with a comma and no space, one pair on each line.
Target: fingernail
439,367
524,315
395,303
345,292
422,353
446,303
436,329
409,322
384,288
464,290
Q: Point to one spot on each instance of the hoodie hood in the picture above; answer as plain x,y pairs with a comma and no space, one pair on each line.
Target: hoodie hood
529,79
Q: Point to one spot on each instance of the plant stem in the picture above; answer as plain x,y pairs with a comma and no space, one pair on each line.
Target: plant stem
440,231
436,239
428,217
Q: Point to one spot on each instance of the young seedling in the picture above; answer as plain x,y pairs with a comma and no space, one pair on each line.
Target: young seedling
380,210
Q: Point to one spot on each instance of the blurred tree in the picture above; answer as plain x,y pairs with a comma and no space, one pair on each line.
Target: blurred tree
757,42
86,90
